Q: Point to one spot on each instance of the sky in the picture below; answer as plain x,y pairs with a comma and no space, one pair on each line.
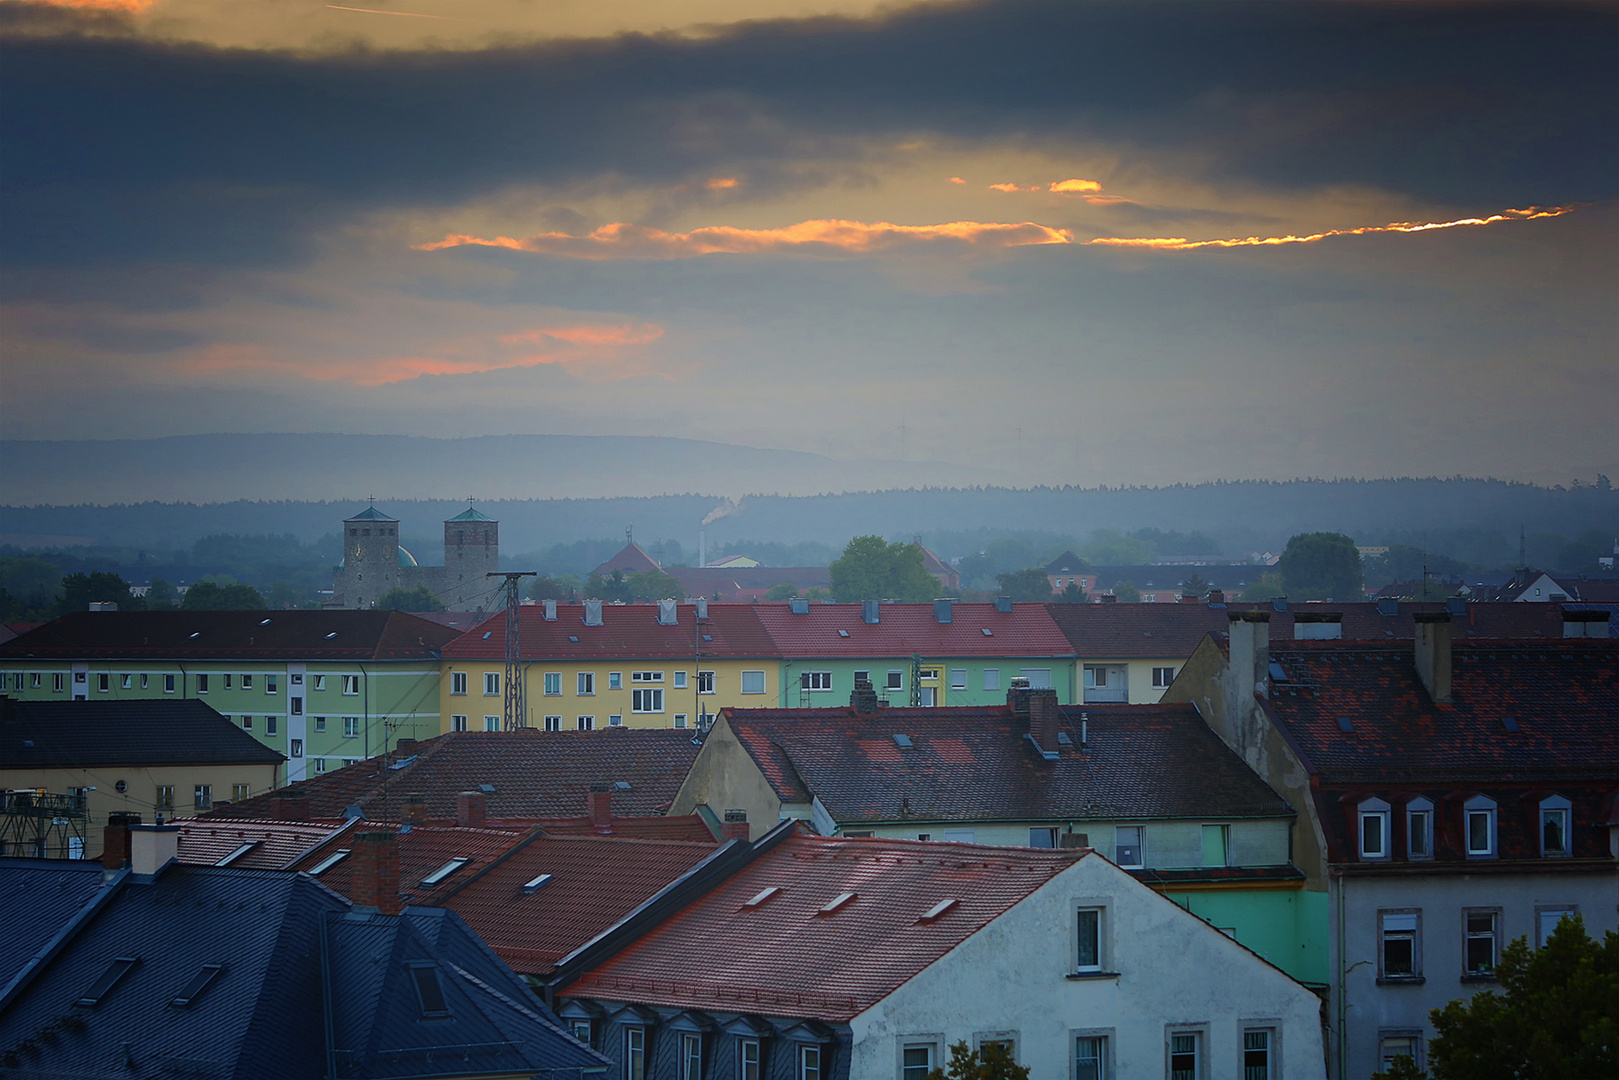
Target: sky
1084,243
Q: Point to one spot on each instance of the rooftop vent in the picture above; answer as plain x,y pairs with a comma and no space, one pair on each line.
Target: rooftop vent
761,896
933,913
1003,604
593,613
835,903
870,613
534,885
798,606
1388,605
941,611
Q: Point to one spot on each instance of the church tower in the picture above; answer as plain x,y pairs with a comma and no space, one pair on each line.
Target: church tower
370,558
471,551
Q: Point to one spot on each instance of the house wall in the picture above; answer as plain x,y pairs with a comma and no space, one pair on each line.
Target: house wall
725,777
1288,926
605,702
1371,1009
1011,980
946,692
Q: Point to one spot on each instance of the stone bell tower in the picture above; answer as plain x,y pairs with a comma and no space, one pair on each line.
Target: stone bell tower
471,551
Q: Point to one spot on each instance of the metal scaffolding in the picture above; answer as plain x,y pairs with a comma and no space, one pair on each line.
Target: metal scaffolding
42,825
516,697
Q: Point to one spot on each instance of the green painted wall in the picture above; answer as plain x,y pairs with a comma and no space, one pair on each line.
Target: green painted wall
1287,927
974,693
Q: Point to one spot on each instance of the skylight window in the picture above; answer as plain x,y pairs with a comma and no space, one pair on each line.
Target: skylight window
835,903
933,913
109,978
487,634
1510,724
843,633
988,632
264,622
708,637
903,741
195,634
761,896
1346,725
328,862
238,853
331,635
197,985
444,871
1277,672
429,994
574,638
534,885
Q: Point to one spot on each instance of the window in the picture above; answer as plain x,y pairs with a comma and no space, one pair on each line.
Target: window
553,723
1546,920
1399,951
896,681
553,684
862,677
320,683
635,1053
78,676
1039,677
615,680
458,683
458,722
295,679
958,678
296,748
1185,1048
320,725
269,725
916,1061
203,797
615,720
247,682
1089,955
144,678
1127,845
320,766
815,680
491,684
586,683
238,792
429,994
1406,1044
1479,940
1554,836
1214,845
584,723
581,1031
104,682
646,700
269,684
1256,1054
351,727
747,1060
691,1056
1096,676
680,720
295,706
1480,820
992,678
202,682
705,682
1043,837
930,696
1162,677
931,674
35,678
1090,1057
164,799
1374,829
247,723
680,680
168,683
753,682
491,723
351,684
809,1063
1419,829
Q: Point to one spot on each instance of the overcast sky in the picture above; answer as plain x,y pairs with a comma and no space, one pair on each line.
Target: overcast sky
952,232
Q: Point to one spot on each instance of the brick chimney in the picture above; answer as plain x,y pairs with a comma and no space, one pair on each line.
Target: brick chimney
1190,598
1433,652
735,826
115,840
290,804
863,699
1017,696
1216,596
599,807
1250,662
415,812
1107,598
1045,719
375,880
405,748
152,847
471,809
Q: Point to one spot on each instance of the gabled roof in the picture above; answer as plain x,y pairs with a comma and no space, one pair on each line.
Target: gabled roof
839,630
423,850
232,635
534,774
779,958
39,897
630,559
97,734
1066,563
933,564
371,513
1562,696
628,632
275,845
593,882
976,764
1127,631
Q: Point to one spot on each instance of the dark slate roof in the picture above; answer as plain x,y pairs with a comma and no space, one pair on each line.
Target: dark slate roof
39,897
95,734
221,635
535,774
1066,563
262,1015
628,631
975,764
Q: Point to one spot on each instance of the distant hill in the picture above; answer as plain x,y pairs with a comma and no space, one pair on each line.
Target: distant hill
225,468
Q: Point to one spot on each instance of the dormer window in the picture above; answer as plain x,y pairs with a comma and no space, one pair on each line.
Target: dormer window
1374,829
1479,819
1419,829
1555,842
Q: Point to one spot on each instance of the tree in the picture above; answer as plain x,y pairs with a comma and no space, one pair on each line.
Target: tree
1030,584
1321,566
161,595
873,569
1071,594
1268,587
1557,1015
785,590
1127,592
79,591
564,587
206,596
420,598
1195,585
992,1061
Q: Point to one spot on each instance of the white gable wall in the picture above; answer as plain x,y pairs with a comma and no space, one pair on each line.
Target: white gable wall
1174,973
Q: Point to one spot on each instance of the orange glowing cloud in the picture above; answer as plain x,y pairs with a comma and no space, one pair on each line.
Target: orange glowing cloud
957,180
625,241
128,7
1013,187
720,183
1182,244
1064,187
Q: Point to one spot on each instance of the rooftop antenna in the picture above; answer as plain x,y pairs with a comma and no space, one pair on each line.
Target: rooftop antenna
516,699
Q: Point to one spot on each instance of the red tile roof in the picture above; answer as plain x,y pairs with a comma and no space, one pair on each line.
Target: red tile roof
247,635
975,764
629,631
535,774
907,629
422,850
595,881
779,958
630,559
276,844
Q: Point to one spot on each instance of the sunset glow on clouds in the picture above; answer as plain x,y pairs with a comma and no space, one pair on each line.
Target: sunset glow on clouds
622,240
1182,244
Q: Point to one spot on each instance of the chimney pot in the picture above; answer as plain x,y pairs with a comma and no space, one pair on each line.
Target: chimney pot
599,807
1216,596
416,809
115,840
405,747
375,881
290,804
1017,695
471,809
735,826
863,699
1433,652
1045,719
152,847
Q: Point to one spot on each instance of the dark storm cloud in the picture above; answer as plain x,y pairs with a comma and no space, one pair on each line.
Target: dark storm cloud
128,149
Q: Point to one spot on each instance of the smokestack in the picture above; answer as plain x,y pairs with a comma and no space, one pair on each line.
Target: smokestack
471,809
152,847
1433,652
375,882
415,812
599,807
115,840
1250,662
702,547
290,804
1045,719
735,826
